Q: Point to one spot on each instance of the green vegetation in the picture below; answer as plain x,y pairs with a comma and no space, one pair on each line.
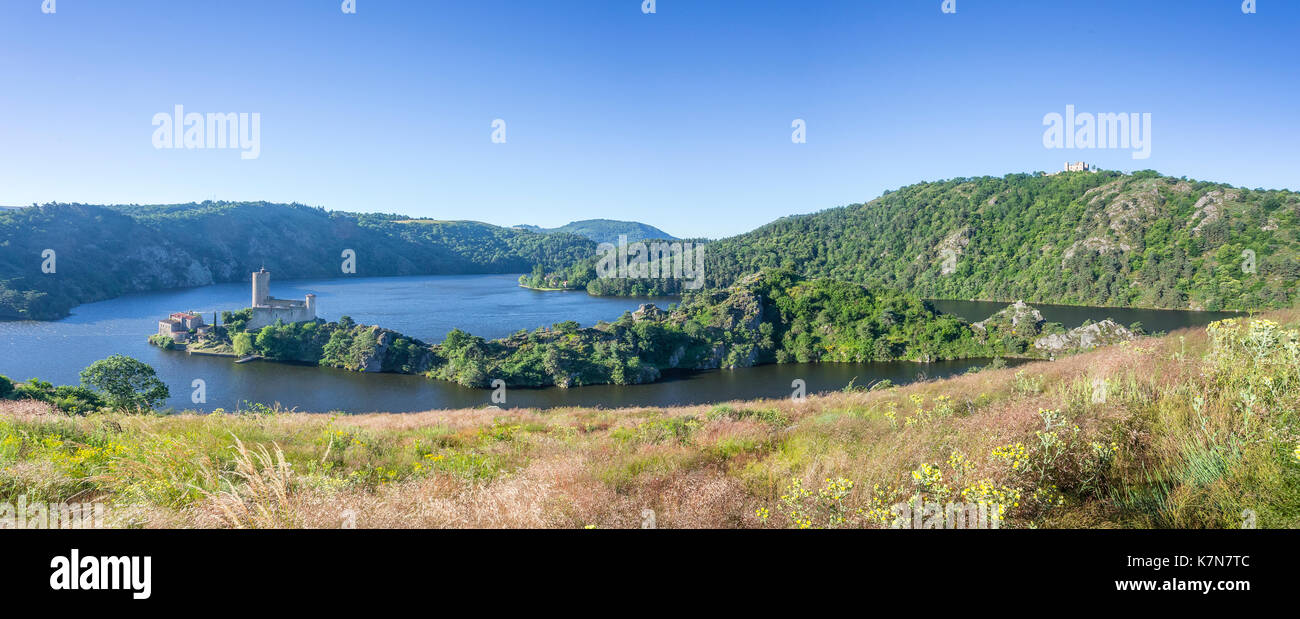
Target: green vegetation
1139,240
103,252
343,344
117,383
128,384
771,317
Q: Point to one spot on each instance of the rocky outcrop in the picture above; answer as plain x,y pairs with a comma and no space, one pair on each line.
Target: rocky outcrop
648,311
1096,334
1210,208
381,359
1019,316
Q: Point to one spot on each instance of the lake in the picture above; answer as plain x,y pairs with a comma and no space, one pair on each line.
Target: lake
427,307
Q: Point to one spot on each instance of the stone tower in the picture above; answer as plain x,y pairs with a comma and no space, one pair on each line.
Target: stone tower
261,287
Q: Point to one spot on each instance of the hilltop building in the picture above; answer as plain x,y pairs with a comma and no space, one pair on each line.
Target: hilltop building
1076,166
268,309
1079,166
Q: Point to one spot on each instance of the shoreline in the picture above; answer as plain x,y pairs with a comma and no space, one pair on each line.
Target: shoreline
71,310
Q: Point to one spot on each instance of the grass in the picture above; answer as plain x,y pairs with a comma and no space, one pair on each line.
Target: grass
1189,430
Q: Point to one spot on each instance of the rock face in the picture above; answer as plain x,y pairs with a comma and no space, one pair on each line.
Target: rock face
648,311
1097,334
378,359
1019,315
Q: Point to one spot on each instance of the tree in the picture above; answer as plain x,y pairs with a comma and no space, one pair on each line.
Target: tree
242,343
127,383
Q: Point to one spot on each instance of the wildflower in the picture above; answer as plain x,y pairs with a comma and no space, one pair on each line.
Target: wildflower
959,463
1015,454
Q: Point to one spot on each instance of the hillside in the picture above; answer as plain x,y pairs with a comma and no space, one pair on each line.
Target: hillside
102,252
1140,240
605,230
1192,430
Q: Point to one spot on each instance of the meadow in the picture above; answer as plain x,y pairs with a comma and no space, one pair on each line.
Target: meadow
1196,429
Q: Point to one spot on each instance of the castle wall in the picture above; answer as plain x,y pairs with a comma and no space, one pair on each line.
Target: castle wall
263,316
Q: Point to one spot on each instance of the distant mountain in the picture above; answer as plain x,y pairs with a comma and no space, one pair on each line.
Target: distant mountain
100,252
605,230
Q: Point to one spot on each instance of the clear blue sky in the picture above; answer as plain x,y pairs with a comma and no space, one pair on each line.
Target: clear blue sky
680,119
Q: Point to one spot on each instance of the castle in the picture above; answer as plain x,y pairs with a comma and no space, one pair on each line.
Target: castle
268,309
1076,166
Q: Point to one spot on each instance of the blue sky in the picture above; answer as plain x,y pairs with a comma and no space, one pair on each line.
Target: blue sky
681,119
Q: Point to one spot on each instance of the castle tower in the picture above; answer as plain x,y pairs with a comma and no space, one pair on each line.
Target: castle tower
311,307
261,287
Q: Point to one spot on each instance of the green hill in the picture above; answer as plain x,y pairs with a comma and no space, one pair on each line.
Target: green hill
1139,240
102,252
605,230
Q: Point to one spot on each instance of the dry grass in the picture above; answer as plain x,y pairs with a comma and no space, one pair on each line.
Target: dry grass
693,466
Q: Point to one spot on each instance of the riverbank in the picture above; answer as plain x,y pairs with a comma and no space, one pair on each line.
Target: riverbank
540,289
1122,436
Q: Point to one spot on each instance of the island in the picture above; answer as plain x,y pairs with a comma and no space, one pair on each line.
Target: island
772,316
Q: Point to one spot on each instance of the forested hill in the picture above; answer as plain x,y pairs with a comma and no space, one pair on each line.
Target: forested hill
606,230
101,252
1105,238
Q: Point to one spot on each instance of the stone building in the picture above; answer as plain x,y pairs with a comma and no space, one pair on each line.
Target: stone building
179,325
267,309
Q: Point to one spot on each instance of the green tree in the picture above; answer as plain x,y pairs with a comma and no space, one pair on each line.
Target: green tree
242,343
128,384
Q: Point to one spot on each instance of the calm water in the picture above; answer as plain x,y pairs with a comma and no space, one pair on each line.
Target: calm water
427,307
